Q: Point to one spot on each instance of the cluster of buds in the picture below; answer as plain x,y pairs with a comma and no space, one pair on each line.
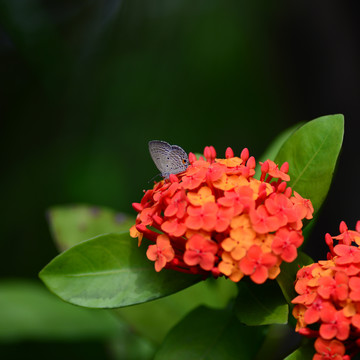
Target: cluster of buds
216,218
328,305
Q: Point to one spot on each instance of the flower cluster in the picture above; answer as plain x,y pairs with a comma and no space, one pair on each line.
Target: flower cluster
328,304
216,218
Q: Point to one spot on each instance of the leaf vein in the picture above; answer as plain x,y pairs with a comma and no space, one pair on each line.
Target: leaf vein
310,160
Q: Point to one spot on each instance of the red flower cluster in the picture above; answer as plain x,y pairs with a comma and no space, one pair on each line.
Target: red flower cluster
217,218
328,304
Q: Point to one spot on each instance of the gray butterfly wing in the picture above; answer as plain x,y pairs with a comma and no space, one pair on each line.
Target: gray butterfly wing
159,150
169,159
178,160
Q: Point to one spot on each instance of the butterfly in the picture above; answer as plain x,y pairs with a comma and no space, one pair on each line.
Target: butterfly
169,159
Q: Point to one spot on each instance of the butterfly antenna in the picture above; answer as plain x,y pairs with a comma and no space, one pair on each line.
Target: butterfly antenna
154,177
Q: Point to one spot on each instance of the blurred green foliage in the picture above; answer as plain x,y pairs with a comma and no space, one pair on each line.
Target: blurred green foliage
86,84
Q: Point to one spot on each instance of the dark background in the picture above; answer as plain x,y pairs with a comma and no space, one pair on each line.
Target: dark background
86,84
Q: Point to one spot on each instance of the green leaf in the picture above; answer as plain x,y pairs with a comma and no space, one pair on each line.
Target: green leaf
312,152
155,319
110,271
261,304
273,149
29,312
75,223
287,276
211,334
305,352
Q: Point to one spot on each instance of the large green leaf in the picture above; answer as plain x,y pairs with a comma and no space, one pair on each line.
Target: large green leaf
287,276
110,271
211,334
72,224
154,319
261,304
29,312
312,152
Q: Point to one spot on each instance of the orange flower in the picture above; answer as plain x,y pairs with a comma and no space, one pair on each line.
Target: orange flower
218,219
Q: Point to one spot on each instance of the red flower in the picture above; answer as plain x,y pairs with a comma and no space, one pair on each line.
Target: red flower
200,251
347,254
269,167
303,205
194,177
177,205
336,287
329,350
282,207
262,221
174,227
335,324
239,199
257,264
161,253
223,218
202,217
354,284
349,236
314,311
285,244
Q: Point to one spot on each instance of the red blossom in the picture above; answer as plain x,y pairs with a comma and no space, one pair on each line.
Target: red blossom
223,218
257,264
281,207
215,171
174,227
161,253
329,350
177,205
200,251
262,221
349,236
194,178
334,324
203,217
314,311
346,254
336,287
269,167
354,284
240,199
303,205
285,244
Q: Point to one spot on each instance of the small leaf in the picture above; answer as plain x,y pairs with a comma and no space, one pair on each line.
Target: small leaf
287,276
74,223
305,352
312,152
261,304
29,312
211,334
110,271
